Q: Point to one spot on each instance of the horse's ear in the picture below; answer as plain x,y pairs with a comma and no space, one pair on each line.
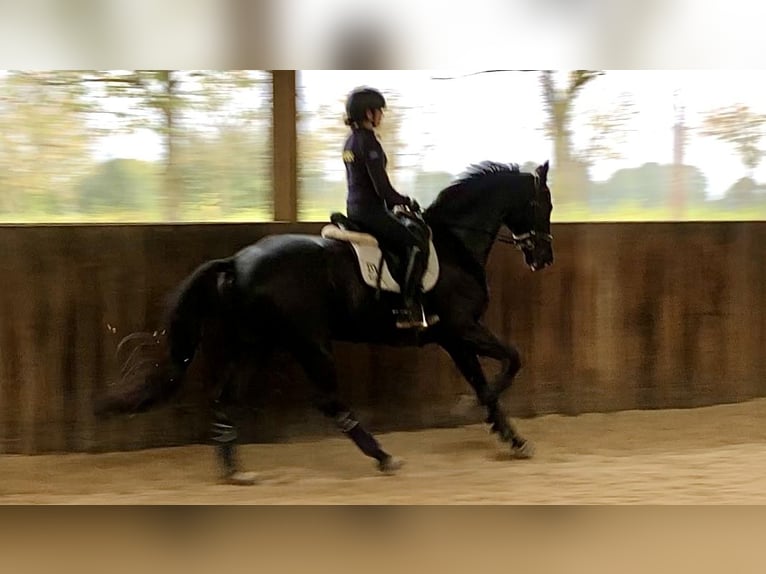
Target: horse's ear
542,170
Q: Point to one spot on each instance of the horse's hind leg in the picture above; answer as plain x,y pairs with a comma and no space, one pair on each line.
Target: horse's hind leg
317,361
224,433
221,356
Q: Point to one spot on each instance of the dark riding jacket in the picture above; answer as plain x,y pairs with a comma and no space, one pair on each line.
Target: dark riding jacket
368,183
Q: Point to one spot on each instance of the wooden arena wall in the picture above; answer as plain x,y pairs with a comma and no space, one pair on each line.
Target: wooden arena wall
631,316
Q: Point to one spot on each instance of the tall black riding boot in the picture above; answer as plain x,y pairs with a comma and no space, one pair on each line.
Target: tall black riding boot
412,315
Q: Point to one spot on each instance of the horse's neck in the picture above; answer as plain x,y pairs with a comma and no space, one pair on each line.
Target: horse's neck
475,232
477,242
475,217
450,244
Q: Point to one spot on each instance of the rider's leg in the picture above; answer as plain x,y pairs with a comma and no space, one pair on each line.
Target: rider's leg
412,288
389,231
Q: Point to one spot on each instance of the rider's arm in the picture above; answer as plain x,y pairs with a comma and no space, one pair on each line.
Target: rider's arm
373,159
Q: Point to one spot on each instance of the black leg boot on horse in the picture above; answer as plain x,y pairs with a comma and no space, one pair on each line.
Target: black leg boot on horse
225,440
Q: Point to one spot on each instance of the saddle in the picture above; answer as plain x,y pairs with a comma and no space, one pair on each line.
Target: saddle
381,268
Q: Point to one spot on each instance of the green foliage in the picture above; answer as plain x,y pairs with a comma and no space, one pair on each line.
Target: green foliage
320,197
226,173
180,106
120,184
44,142
649,186
215,127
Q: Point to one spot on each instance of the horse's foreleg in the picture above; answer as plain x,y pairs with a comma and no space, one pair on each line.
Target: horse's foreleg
318,363
485,344
466,360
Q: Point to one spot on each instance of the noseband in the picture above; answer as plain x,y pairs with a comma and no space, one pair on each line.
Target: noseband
530,239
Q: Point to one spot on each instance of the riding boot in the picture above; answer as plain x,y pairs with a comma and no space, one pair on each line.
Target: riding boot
416,294
412,315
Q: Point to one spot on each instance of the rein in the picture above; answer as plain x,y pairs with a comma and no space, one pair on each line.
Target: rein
518,241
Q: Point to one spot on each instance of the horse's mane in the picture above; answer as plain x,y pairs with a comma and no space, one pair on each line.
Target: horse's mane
477,171
472,176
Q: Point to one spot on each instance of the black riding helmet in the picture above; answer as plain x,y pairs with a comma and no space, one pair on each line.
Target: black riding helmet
360,100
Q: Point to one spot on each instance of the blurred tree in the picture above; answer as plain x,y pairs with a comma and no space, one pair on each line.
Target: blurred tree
225,173
606,129
175,104
559,105
321,133
741,127
570,169
51,122
742,192
645,187
120,185
44,143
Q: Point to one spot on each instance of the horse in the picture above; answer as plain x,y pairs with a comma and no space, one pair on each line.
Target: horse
304,291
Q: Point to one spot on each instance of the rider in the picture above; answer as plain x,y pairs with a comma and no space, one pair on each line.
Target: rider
371,198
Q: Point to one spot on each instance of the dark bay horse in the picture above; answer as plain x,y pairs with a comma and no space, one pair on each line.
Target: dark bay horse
304,291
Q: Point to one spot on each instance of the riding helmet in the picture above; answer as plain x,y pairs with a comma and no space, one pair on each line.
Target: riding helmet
362,99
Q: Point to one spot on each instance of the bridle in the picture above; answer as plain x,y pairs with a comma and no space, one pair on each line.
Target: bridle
530,239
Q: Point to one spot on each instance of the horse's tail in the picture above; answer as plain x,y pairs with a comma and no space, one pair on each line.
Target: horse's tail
155,369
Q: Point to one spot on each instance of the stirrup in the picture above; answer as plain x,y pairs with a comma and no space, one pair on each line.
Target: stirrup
430,319
405,319
411,320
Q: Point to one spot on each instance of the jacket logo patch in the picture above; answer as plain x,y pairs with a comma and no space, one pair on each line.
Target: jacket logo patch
348,156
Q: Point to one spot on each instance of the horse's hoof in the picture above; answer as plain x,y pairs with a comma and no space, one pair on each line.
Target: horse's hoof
524,450
241,479
390,465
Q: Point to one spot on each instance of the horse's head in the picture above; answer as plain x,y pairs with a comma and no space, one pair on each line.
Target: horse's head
531,227
491,195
